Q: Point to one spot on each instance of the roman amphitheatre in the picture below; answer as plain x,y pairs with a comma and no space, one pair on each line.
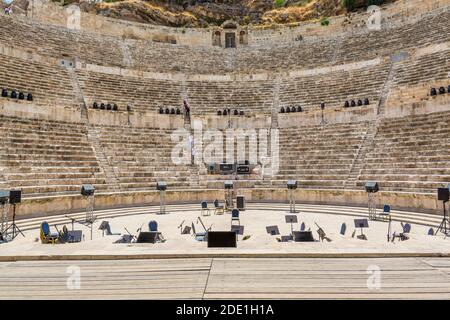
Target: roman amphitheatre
228,161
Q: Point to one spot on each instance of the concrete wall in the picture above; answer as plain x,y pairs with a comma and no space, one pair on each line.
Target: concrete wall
45,206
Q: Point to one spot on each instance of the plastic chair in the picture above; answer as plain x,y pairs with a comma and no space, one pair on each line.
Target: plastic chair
205,209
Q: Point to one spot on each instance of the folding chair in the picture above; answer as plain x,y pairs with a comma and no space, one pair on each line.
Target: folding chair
205,209
386,214
218,209
46,236
235,216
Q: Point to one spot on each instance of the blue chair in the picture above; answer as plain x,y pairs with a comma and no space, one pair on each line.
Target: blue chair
205,209
343,229
153,226
406,228
218,209
386,215
235,216
46,236
430,232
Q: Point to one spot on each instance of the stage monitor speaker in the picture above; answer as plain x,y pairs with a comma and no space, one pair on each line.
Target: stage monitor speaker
240,203
87,190
147,237
372,187
228,184
161,186
303,236
443,194
222,239
4,196
292,184
15,196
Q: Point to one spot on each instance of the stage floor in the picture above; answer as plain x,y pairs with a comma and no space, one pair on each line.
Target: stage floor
254,219
231,278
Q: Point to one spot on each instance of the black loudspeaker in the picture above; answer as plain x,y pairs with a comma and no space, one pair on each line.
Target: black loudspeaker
288,110
147,237
228,184
4,196
29,97
443,194
366,102
299,109
161,186
219,112
222,239
178,111
95,105
303,236
22,95
4,93
225,112
441,90
211,168
360,103
346,104
236,112
282,110
372,187
14,94
15,196
243,169
353,103
172,111
241,113
240,203
87,190
292,184
115,107
129,108
167,111
433,91
108,106
226,168
102,106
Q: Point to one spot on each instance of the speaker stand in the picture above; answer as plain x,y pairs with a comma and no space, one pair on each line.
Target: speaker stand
15,229
371,206
444,227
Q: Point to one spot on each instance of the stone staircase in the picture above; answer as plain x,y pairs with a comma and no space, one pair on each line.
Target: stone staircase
385,91
358,162
276,102
79,96
108,170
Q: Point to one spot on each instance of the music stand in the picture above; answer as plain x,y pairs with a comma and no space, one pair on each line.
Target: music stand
291,219
273,230
238,229
361,223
